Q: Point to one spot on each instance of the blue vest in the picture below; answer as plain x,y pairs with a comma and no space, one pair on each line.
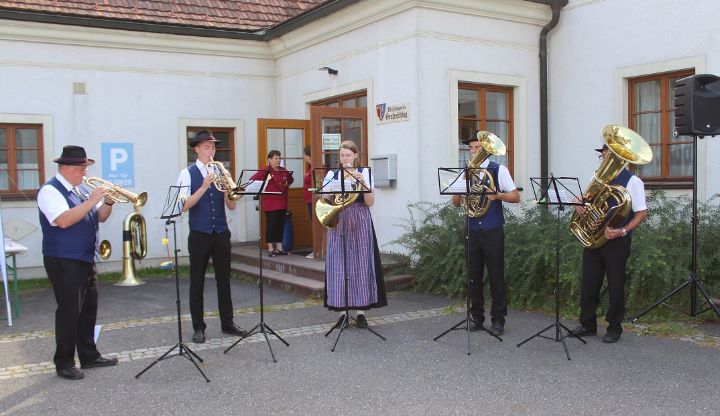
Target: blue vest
494,217
622,179
208,215
76,242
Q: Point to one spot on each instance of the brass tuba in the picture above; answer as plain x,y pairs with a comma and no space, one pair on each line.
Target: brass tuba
223,182
625,146
482,180
326,211
117,193
134,247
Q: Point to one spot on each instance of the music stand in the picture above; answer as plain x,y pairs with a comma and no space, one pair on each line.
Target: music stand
458,181
174,203
345,187
556,194
256,185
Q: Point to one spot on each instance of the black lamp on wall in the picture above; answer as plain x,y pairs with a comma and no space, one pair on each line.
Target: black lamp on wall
329,70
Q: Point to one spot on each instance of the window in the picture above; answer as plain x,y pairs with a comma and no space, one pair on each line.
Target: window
21,160
485,107
224,151
652,115
349,127
354,100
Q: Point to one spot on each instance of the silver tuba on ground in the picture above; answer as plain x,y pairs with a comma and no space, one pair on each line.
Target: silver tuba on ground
625,146
481,181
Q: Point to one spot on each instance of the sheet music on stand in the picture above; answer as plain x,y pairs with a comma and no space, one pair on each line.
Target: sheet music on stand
256,181
454,181
175,201
338,186
559,191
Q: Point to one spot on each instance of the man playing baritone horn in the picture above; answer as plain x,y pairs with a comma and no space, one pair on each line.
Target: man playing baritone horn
611,259
69,218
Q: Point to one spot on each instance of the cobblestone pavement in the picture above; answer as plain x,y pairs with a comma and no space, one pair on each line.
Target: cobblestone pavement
409,373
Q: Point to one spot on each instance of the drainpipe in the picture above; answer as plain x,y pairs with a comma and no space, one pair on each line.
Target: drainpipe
556,5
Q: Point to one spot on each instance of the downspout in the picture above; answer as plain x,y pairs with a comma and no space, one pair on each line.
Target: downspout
556,5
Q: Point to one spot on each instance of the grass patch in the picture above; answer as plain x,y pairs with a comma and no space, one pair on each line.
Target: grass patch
31,285
671,329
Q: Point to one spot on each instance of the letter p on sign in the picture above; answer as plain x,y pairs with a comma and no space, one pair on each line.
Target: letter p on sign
117,156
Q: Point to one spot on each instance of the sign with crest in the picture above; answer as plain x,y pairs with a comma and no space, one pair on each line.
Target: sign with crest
391,113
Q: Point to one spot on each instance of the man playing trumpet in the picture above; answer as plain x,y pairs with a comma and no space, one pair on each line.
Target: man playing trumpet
209,237
69,218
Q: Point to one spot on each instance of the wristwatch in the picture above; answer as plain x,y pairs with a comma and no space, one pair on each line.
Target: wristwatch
624,232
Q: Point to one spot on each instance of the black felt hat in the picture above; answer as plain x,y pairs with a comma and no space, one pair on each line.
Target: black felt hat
202,136
600,149
472,138
74,155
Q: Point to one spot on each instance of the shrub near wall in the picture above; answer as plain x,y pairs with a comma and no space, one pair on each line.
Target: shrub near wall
660,259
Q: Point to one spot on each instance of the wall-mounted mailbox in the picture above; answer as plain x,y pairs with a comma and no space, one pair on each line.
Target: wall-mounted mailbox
384,170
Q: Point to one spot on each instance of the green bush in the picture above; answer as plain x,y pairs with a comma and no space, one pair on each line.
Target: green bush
660,255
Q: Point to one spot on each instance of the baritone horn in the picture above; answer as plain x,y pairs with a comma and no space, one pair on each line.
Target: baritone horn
223,182
117,193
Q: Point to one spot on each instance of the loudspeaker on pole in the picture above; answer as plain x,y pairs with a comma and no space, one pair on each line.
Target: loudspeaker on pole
697,105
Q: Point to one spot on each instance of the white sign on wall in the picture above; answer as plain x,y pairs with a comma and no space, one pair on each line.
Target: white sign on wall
391,113
330,141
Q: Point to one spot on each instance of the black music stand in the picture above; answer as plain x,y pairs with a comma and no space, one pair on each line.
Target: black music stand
692,279
458,181
558,192
345,187
174,203
257,187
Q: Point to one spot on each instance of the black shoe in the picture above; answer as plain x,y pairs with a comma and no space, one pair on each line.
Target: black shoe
497,328
360,321
611,337
199,336
234,330
581,331
273,253
282,253
477,325
72,373
100,362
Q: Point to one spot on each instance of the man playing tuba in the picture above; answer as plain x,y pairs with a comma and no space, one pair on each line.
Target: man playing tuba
487,234
611,259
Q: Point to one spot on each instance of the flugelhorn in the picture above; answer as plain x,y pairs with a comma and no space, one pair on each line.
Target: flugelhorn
116,193
223,182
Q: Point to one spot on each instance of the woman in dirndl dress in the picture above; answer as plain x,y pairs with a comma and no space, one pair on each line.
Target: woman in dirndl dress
366,285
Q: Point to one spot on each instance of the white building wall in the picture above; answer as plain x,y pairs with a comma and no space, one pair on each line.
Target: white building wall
597,46
145,95
417,56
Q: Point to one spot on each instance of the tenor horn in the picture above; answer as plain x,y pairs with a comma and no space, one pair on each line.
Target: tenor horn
116,193
223,182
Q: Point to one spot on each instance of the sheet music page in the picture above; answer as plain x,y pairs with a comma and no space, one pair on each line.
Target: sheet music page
560,196
253,187
334,185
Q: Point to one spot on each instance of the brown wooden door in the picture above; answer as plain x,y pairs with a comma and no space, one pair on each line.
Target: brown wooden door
350,124
289,137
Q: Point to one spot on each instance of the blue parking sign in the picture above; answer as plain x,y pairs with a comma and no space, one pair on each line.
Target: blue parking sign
118,164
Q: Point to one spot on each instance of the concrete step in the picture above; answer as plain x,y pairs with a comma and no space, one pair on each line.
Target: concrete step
290,282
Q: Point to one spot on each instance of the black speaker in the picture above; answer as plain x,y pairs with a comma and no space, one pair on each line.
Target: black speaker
697,105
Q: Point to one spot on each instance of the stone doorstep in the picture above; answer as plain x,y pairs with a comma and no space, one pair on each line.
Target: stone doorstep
307,286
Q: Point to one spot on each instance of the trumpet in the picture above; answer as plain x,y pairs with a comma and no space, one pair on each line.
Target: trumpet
223,182
116,193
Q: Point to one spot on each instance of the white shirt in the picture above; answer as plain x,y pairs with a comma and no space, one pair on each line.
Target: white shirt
636,189
506,183
184,177
52,203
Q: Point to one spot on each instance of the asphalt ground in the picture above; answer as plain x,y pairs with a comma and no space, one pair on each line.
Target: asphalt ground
409,373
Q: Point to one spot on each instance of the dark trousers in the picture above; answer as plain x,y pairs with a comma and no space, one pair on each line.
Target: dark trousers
202,247
75,285
610,259
487,249
274,226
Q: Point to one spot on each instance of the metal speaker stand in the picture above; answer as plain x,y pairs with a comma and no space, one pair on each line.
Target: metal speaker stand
692,280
